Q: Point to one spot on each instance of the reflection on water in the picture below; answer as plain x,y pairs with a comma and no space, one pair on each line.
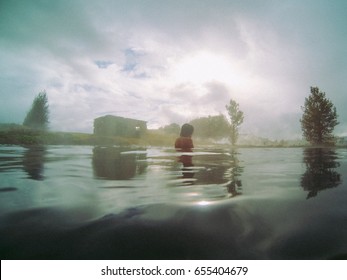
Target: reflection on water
215,168
206,175
33,162
67,202
234,174
187,170
30,159
321,174
115,163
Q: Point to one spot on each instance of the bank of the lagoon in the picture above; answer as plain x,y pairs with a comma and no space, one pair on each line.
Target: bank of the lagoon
20,135
85,202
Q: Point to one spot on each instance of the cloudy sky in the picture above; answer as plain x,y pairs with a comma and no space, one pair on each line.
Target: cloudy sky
171,61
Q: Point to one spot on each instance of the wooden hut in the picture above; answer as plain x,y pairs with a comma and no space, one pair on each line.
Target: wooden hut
118,126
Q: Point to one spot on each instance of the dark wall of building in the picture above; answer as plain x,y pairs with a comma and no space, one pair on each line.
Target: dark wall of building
118,126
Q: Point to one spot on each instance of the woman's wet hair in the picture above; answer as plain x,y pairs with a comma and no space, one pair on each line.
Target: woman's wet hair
187,130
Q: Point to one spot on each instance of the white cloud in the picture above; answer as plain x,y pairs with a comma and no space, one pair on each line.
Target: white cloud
171,62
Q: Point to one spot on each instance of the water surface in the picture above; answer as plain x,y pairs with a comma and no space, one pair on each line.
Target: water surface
82,202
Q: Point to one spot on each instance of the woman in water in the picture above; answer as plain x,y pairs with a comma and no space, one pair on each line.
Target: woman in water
184,143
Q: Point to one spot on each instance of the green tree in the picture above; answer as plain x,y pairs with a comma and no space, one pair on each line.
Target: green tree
172,128
213,127
37,117
236,119
319,118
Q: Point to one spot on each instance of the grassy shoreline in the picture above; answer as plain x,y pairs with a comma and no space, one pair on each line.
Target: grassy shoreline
20,135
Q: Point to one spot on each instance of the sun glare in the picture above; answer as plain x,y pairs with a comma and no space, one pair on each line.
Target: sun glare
203,67
203,203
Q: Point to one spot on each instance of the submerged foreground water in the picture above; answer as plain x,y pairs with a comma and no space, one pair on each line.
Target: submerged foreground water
73,202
